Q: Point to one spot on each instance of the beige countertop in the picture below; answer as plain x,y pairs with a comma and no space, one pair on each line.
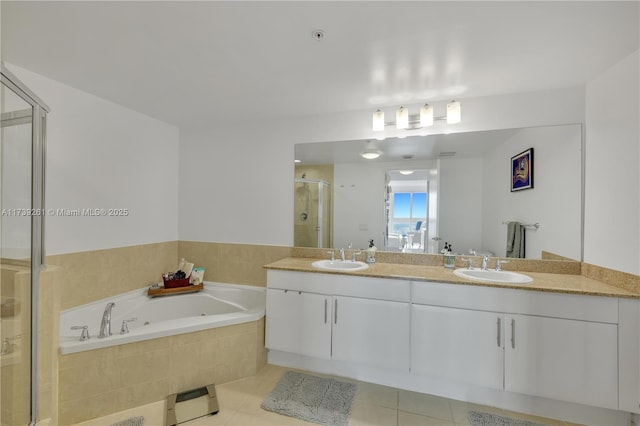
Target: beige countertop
559,283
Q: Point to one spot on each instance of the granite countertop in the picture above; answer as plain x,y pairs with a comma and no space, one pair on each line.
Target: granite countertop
558,283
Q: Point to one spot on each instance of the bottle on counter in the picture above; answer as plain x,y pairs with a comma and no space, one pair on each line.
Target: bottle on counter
371,252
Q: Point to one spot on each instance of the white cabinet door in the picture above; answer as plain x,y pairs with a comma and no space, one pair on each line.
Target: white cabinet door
371,332
460,345
569,360
298,322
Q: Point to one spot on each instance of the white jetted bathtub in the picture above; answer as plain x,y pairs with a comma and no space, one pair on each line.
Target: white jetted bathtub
217,305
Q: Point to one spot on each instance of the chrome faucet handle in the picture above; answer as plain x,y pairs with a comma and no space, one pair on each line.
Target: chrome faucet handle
85,332
499,264
333,255
469,262
125,328
485,261
354,254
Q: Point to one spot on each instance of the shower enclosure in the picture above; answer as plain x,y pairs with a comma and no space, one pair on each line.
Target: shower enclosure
312,213
22,150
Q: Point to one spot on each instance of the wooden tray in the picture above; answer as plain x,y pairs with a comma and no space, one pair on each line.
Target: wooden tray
161,291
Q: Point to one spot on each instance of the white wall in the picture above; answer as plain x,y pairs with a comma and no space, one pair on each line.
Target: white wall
358,204
103,156
236,179
612,194
461,203
554,201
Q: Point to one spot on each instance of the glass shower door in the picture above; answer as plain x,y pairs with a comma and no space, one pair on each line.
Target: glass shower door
22,154
15,255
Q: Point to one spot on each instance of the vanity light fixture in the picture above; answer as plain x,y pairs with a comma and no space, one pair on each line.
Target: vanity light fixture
402,118
425,119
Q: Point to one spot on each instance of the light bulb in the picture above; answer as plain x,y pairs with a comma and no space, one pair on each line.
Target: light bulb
378,121
453,112
426,115
402,118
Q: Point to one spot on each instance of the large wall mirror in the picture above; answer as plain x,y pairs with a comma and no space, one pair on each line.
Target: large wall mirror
424,191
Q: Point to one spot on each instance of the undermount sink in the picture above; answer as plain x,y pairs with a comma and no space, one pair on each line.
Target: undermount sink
340,265
494,276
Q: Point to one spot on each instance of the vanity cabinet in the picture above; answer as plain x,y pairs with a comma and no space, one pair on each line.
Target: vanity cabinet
557,346
371,332
355,320
461,345
299,322
568,360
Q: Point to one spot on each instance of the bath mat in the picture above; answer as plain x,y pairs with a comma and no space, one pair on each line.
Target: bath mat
315,399
478,418
133,421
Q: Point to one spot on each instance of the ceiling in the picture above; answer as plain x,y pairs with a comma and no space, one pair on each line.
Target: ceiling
194,63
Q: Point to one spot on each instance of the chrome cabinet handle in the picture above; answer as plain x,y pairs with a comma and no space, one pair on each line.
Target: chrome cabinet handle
325,311
498,324
335,311
513,333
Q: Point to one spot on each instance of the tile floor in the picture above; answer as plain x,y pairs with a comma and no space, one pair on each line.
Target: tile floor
240,401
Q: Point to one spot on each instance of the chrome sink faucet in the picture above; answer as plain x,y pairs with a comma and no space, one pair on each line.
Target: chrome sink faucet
485,261
105,325
342,255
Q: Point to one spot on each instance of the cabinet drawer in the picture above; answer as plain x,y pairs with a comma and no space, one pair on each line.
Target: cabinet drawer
342,285
559,305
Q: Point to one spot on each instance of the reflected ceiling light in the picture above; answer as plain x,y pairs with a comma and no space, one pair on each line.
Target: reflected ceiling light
406,172
296,161
425,119
370,152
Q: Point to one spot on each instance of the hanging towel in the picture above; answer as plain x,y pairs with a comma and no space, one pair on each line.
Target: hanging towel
515,240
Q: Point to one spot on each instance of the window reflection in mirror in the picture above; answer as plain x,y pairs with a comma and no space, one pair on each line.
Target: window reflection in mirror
409,221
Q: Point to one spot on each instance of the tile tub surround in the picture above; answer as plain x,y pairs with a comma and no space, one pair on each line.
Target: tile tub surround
98,274
103,381
233,263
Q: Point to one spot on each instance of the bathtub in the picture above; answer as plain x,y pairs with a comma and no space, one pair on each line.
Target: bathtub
217,305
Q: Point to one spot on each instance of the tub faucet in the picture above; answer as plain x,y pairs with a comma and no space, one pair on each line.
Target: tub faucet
105,325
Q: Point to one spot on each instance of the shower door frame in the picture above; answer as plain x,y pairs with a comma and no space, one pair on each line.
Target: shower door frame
38,255
321,202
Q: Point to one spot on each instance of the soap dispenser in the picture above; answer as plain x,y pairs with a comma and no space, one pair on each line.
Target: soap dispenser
371,252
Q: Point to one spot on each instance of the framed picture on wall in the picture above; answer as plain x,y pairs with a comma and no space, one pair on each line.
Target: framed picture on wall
522,171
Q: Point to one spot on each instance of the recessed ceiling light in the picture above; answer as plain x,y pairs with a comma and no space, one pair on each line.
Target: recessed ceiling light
406,172
370,154
296,161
